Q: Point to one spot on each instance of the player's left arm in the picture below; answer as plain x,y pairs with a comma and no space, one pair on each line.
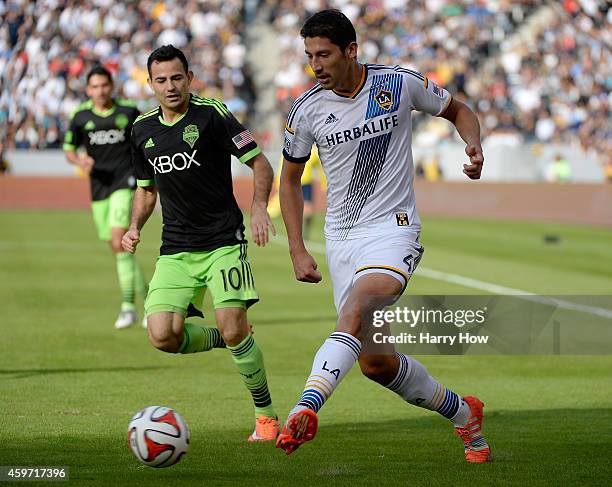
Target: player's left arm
72,141
238,141
468,127
263,175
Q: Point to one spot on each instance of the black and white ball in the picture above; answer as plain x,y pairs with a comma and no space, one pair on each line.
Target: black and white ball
158,436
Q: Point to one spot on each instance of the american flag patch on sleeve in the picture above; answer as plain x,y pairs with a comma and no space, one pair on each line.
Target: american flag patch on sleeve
242,139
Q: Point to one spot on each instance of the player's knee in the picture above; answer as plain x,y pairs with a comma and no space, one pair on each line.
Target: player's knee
232,325
162,337
164,342
115,240
377,368
233,335
115,245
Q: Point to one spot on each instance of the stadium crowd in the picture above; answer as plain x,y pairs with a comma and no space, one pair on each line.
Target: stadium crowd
47,47
553,89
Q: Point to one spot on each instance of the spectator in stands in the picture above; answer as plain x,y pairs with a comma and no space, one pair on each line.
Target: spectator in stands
559,170
537,71
46,47
4,165
547,64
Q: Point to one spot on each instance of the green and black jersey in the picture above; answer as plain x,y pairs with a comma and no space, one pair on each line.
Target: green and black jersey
106,138
189,160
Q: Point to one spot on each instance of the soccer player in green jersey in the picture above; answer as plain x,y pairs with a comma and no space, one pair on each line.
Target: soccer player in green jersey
103,126
182,149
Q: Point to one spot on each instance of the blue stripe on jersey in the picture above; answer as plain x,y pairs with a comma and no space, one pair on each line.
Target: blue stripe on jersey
300,101
399,69
387,86
416,74
371,156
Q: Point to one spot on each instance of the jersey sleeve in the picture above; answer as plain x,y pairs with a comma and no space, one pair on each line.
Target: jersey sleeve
74,135
232,135
134,114
142,169
425,95
298,136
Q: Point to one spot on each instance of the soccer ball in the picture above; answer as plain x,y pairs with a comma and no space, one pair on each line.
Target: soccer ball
158,436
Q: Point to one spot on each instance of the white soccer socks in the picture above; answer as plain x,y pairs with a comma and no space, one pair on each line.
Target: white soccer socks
331,363
414,384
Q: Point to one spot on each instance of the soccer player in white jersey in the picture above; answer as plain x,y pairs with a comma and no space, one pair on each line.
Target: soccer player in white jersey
359,116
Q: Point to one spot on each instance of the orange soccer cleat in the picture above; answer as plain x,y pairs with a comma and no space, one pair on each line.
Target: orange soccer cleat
266,429
299,428
476,448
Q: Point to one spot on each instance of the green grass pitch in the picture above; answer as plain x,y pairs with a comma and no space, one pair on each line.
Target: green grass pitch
70,382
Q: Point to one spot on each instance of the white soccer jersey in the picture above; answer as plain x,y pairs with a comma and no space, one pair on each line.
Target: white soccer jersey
365,146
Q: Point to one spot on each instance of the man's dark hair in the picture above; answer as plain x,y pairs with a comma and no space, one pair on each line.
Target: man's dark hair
331,24
100,71
167,53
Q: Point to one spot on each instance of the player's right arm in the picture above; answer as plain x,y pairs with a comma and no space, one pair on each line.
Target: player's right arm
292,209
143,205
72,140
298,144
145,196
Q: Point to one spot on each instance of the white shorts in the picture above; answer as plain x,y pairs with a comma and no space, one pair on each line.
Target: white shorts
397,253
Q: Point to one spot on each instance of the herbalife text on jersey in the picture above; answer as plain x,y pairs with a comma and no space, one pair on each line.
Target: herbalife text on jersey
369,128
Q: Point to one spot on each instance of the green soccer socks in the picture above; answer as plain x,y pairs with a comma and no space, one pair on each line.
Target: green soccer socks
249,360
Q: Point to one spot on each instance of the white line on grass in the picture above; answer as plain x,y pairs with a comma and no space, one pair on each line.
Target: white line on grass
480,285
422,271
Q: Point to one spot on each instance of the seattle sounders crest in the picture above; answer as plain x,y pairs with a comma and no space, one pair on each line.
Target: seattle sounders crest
191,134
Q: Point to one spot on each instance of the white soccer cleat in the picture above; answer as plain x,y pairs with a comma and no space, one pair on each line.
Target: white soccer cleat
126,319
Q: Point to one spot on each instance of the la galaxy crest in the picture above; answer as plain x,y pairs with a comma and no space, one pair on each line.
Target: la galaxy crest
384,98
402,219
191,134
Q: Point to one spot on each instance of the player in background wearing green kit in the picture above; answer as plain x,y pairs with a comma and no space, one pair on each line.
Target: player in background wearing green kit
182,149
103,126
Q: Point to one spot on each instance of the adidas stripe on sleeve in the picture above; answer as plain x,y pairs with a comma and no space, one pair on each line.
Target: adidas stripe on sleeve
143,171
298,134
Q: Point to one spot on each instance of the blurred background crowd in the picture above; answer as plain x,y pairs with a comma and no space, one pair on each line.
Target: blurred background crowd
47,47
534,71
